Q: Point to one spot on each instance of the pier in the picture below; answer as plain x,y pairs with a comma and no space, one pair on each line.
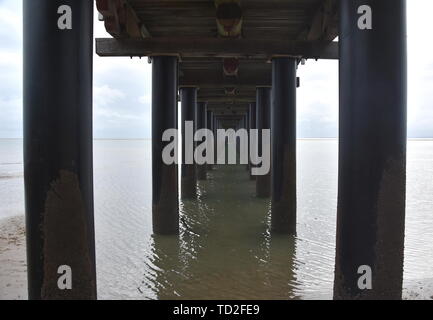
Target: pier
229,64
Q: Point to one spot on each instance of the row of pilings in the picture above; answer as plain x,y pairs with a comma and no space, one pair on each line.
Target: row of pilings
58,165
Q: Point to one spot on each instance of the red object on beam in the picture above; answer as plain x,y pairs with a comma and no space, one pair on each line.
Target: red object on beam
231,66
229,19
103,7
114,13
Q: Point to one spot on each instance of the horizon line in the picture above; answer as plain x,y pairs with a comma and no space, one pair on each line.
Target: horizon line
142,139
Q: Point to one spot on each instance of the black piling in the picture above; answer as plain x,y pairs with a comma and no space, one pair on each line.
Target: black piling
283,164
200,119
215,132
188,97
263,115
372,164
209,126
58,173
253,125
165,203
248,127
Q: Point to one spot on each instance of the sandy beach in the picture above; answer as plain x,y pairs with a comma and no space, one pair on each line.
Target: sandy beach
13,277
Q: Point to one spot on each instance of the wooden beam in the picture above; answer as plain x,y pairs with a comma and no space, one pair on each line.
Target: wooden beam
238,86
230,117
227,108
218,80
324,25
227,99
134,27
121,20
216,47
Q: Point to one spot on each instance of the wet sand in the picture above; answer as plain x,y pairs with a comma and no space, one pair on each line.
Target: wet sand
13,276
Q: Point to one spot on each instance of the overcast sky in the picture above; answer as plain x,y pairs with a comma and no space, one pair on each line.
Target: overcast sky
122,87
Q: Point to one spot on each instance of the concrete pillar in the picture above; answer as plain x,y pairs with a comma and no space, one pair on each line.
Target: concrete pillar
372,163
164,176
283,124
200,119
58,169
188,98
263,115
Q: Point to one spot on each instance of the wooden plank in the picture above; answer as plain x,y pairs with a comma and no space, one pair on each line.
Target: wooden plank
217,80
216,47
227,99
121,20
228,108
324,24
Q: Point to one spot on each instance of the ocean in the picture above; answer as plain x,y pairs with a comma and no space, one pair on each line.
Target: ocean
225,250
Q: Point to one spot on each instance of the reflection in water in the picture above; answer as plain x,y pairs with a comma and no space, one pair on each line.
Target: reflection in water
225,250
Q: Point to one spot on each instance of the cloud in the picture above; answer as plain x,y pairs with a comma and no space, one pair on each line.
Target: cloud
122,87
146,99
119,84
11,115
420,69
10,69
10,25
318,95
317,100
121,98
105,95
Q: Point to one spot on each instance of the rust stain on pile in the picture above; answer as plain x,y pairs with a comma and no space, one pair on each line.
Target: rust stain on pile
66,240
390,230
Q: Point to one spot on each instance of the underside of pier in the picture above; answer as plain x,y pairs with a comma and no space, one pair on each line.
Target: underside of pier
231,64
224,47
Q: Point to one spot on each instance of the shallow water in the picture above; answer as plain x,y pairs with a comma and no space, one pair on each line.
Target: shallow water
225,249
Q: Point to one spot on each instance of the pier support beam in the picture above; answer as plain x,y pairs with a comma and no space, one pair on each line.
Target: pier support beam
165,203
215,134
188,97
209,126
263,113
58,169
248,127
283,164
253,123
372,163
200,119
